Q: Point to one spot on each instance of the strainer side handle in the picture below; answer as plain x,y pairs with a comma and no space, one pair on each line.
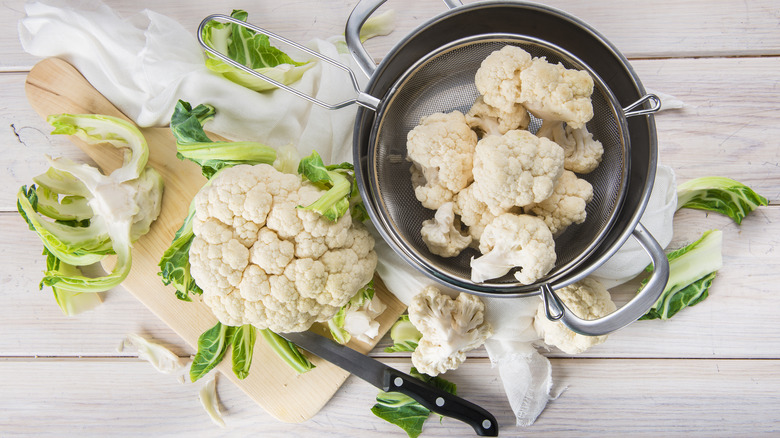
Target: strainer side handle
631,311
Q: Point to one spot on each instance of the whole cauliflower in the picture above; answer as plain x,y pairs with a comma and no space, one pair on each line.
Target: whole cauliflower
262,261
489,120
514,241
449,328
498,77
566,205
588,299
515,169
553,92
442,233
581,152
441,149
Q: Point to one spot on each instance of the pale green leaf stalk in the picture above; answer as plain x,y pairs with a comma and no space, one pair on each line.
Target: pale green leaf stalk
405,336
287,351
719,194
339,182
691,271
243,345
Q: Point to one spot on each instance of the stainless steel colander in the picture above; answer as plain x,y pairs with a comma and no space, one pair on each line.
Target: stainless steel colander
442,80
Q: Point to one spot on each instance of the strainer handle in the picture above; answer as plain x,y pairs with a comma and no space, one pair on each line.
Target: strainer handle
631,311
355,22
655,106
361,99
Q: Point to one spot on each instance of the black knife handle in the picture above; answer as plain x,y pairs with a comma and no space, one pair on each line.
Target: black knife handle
442,402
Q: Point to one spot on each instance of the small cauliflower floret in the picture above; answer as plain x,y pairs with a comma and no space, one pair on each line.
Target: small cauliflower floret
473,213
581,152
588,299
449,328
442,233
498,77
514,241
441,149
515,169
489,120
566,205
295,269
553,92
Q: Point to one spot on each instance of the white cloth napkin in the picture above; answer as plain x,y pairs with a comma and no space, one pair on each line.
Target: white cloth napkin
145,63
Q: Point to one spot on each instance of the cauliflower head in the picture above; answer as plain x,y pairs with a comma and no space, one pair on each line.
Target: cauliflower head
489,120
553,92
588,299
498,77
514,241
442,234
449,328
515,169
262,261
581,152
566,205
441,149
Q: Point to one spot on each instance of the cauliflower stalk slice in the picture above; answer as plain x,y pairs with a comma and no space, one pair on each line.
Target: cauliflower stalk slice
588,299
442,234
94,214
449,328
357,318
512,241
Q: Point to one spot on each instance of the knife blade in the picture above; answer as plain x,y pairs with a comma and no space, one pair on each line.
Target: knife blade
389,379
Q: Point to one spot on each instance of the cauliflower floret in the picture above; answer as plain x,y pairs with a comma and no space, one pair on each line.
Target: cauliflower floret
515,169
442,233
498,77
489,120
441,149
473,213
512,241
581,152
553,92
566,205
588,299
449,329
295,269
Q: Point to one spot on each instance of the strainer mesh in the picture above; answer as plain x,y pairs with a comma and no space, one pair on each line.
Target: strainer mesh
444,82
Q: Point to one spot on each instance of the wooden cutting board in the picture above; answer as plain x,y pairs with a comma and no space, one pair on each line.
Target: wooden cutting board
53,86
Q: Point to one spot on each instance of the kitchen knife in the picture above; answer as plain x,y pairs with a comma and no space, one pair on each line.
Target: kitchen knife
389,379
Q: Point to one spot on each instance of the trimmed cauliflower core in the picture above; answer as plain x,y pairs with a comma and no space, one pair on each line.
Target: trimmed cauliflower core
442,149
442,233
581,152
515,169
588,299
512,241
566,205
449,328
262,261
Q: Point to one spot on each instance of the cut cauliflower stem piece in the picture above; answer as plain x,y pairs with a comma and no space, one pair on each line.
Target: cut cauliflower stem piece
581,152
498,77
262,261
441,149
588,299
515,169
442,234
553,92
489,120
449,328
511,241
566,205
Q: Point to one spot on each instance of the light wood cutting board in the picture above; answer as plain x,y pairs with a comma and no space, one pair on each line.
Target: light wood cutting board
53,86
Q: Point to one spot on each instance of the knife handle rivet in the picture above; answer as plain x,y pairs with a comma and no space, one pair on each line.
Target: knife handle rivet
398,381
439,401
486,424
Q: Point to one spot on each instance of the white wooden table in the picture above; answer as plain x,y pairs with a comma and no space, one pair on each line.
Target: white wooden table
714,370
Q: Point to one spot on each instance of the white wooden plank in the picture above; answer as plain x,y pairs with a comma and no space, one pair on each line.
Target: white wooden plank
602,398
652,28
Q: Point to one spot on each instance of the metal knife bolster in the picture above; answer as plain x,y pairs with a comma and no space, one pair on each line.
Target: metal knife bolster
389,379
